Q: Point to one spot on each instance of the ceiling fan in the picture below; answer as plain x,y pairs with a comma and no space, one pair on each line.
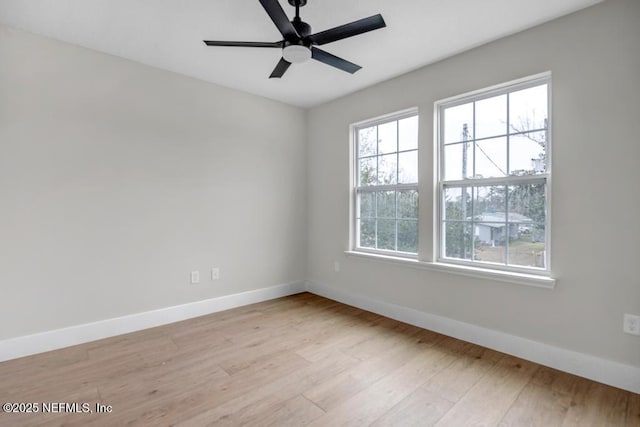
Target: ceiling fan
299,44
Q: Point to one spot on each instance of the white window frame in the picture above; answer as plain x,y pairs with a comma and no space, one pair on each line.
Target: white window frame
439,107
356,188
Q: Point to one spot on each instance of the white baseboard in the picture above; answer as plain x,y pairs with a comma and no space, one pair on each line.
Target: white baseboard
616,374
14,348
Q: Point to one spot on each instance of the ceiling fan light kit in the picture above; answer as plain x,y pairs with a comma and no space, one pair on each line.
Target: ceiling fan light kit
295,53
298,44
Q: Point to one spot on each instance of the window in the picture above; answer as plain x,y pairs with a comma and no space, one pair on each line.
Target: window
494,171
489,183
386,184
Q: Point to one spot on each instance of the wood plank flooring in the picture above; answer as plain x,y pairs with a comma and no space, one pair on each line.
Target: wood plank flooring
302,360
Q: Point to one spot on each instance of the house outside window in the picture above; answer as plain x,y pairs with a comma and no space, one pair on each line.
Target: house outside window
494,169
386,184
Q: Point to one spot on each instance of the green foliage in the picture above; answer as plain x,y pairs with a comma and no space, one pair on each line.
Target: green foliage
528,200
458,234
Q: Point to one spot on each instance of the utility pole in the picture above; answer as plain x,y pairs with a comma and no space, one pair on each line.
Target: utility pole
465,139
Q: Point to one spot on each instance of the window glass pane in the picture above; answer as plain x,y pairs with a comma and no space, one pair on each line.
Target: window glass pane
489,204
386,204
458,123
527,203
457,203
367,142
458,161
489,227
388,169
367,228
368,173
408,167
408,204
408,131
367,204
388,138
527,245
491,158
490,241
408,236
491,116
457,240
527,154
528,109
387,234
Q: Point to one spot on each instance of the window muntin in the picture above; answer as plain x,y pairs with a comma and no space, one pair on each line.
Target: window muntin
386,184
493,178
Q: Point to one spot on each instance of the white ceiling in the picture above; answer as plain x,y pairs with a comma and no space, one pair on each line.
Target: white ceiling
168,34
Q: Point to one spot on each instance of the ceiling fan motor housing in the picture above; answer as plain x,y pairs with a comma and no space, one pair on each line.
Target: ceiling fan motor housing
301,27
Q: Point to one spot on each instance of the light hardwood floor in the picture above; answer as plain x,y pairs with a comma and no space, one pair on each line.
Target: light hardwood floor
303,360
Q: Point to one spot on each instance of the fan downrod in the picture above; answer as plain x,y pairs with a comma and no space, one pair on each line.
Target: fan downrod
297,3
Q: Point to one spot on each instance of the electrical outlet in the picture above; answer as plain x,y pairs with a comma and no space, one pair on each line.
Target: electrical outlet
195,277
336,266
215,273
631,324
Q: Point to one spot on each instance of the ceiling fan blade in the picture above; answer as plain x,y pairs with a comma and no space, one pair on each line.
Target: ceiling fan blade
280,69
348,30
242,44
277,15
334,61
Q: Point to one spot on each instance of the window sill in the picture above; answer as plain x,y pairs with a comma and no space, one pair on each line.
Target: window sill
478,273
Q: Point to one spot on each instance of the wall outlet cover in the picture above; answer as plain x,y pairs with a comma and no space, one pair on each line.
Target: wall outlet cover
195,277
631,324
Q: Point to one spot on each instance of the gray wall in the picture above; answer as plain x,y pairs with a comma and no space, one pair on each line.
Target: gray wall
595,61
117,180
